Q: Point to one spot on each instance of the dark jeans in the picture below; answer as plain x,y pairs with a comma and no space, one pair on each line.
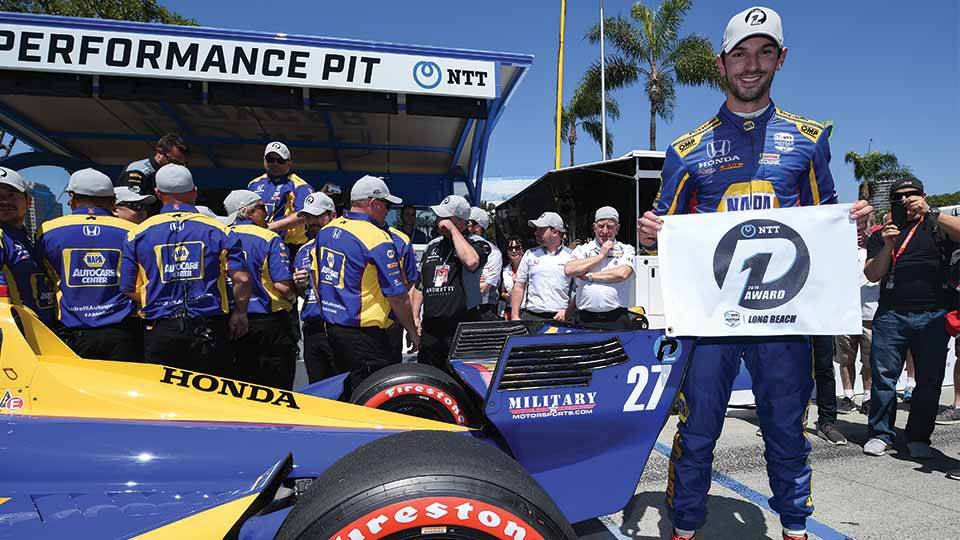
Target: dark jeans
436,338
362,350
825,378
200,344
395,335
122,341
926,337
317,353
267,354
487,312
537,315
615,319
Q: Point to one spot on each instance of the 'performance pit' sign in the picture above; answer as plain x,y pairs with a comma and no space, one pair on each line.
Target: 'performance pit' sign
95,52
791,271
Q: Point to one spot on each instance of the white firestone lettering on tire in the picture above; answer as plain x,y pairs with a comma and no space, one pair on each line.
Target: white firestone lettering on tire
488,518
463,511
429,392
375,525
436,510
407,514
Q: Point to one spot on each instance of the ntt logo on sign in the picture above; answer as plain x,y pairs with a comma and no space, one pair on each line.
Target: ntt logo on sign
427,75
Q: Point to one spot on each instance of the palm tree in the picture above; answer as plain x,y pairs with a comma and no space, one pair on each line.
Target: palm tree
652,52
873,167
584,111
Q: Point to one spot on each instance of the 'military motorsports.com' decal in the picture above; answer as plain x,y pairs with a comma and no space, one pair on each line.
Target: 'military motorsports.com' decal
545,406
227,387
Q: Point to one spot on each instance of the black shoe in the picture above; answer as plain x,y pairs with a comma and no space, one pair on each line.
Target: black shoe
831,434
846,406
954,474
865,407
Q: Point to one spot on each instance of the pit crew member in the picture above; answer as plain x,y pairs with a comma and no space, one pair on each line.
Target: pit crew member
27,283
540,283
490,277
175,266
751,155
283,191
81,253
266,354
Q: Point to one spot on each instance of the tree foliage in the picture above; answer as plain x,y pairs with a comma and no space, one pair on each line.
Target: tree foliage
944,199
872,167
650,51
583,111
122,10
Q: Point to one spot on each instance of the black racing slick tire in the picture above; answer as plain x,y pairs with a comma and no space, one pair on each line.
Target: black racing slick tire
425,484
417,390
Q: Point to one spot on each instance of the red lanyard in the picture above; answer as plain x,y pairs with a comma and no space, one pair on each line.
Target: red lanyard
896,255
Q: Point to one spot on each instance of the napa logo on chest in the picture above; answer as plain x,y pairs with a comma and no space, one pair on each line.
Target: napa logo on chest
99,267
180,262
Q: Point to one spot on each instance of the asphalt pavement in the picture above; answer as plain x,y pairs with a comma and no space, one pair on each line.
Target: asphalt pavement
892,497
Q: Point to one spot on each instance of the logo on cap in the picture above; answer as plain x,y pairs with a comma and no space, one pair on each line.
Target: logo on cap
446,201
3,173
718,148
275,146
755,17
310,199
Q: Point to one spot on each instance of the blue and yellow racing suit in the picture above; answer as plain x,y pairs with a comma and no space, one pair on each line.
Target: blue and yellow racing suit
732,163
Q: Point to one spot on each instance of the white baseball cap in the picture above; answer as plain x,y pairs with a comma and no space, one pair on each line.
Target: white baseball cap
607,212
480,216
90,182
173,178
755,21
548,219
205,210
124,195
278,148
316,204
13,179
452,206
237,199
372,187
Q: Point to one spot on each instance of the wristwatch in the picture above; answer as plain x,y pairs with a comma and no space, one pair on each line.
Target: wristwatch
934,213
589,276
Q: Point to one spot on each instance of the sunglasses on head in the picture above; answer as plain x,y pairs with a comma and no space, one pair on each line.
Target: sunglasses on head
900,194
133,206
277,160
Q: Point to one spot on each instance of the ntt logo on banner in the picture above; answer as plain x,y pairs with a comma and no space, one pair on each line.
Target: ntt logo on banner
427,75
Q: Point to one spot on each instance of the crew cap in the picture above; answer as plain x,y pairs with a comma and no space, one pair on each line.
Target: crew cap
278,148
90,182
480,216
372,186
607,212
906,181
126,195
548,219
173,178
755,21
13,179
316,204
452,206
237,199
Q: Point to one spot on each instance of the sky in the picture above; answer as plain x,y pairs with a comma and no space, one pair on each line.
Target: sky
883,71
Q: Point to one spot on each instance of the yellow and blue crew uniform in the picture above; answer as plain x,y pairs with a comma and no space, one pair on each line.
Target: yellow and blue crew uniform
304,261
732,163
81,253
356,271
282,196
410,269
318,357
178,262
266,355
27,283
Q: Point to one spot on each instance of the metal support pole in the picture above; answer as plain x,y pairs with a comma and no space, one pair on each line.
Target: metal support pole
563,17
603,92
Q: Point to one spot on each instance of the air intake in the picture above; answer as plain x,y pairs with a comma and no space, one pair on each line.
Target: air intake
484,340
543,366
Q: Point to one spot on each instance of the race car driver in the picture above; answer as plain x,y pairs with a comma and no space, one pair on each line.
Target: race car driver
139,176
751,155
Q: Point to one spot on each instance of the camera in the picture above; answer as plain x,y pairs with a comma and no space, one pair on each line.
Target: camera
898,213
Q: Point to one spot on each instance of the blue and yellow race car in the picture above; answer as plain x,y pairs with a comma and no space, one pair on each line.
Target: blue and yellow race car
538,428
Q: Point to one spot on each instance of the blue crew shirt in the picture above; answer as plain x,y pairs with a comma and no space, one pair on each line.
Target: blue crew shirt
406,256
304,261
268,261
178,261
283,195
357,270
26,281
81,253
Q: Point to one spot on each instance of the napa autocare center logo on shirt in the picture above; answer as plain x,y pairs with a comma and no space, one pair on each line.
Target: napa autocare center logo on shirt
550,405
92,267
180,262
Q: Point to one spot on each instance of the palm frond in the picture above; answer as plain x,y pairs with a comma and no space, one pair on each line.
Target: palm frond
694,62
595,130
621,34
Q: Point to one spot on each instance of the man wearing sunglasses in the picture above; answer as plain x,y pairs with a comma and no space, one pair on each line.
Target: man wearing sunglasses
282,192
909,257
140,176
132,206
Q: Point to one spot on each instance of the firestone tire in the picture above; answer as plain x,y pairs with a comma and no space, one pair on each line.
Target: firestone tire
417,390
421,484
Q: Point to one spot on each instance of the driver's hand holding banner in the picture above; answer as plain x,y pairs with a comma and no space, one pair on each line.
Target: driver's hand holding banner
789,271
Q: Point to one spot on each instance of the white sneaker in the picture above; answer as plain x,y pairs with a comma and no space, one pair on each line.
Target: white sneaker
875,447
919,450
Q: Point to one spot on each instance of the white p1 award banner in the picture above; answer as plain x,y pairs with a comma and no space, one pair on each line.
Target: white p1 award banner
788,271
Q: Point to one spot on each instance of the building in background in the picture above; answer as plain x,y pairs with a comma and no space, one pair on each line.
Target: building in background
43,208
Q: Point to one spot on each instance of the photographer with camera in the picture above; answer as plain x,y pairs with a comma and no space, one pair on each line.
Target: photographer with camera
910,258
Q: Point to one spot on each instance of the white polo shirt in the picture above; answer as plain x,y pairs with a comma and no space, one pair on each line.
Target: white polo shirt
600,297
547,287
491,274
